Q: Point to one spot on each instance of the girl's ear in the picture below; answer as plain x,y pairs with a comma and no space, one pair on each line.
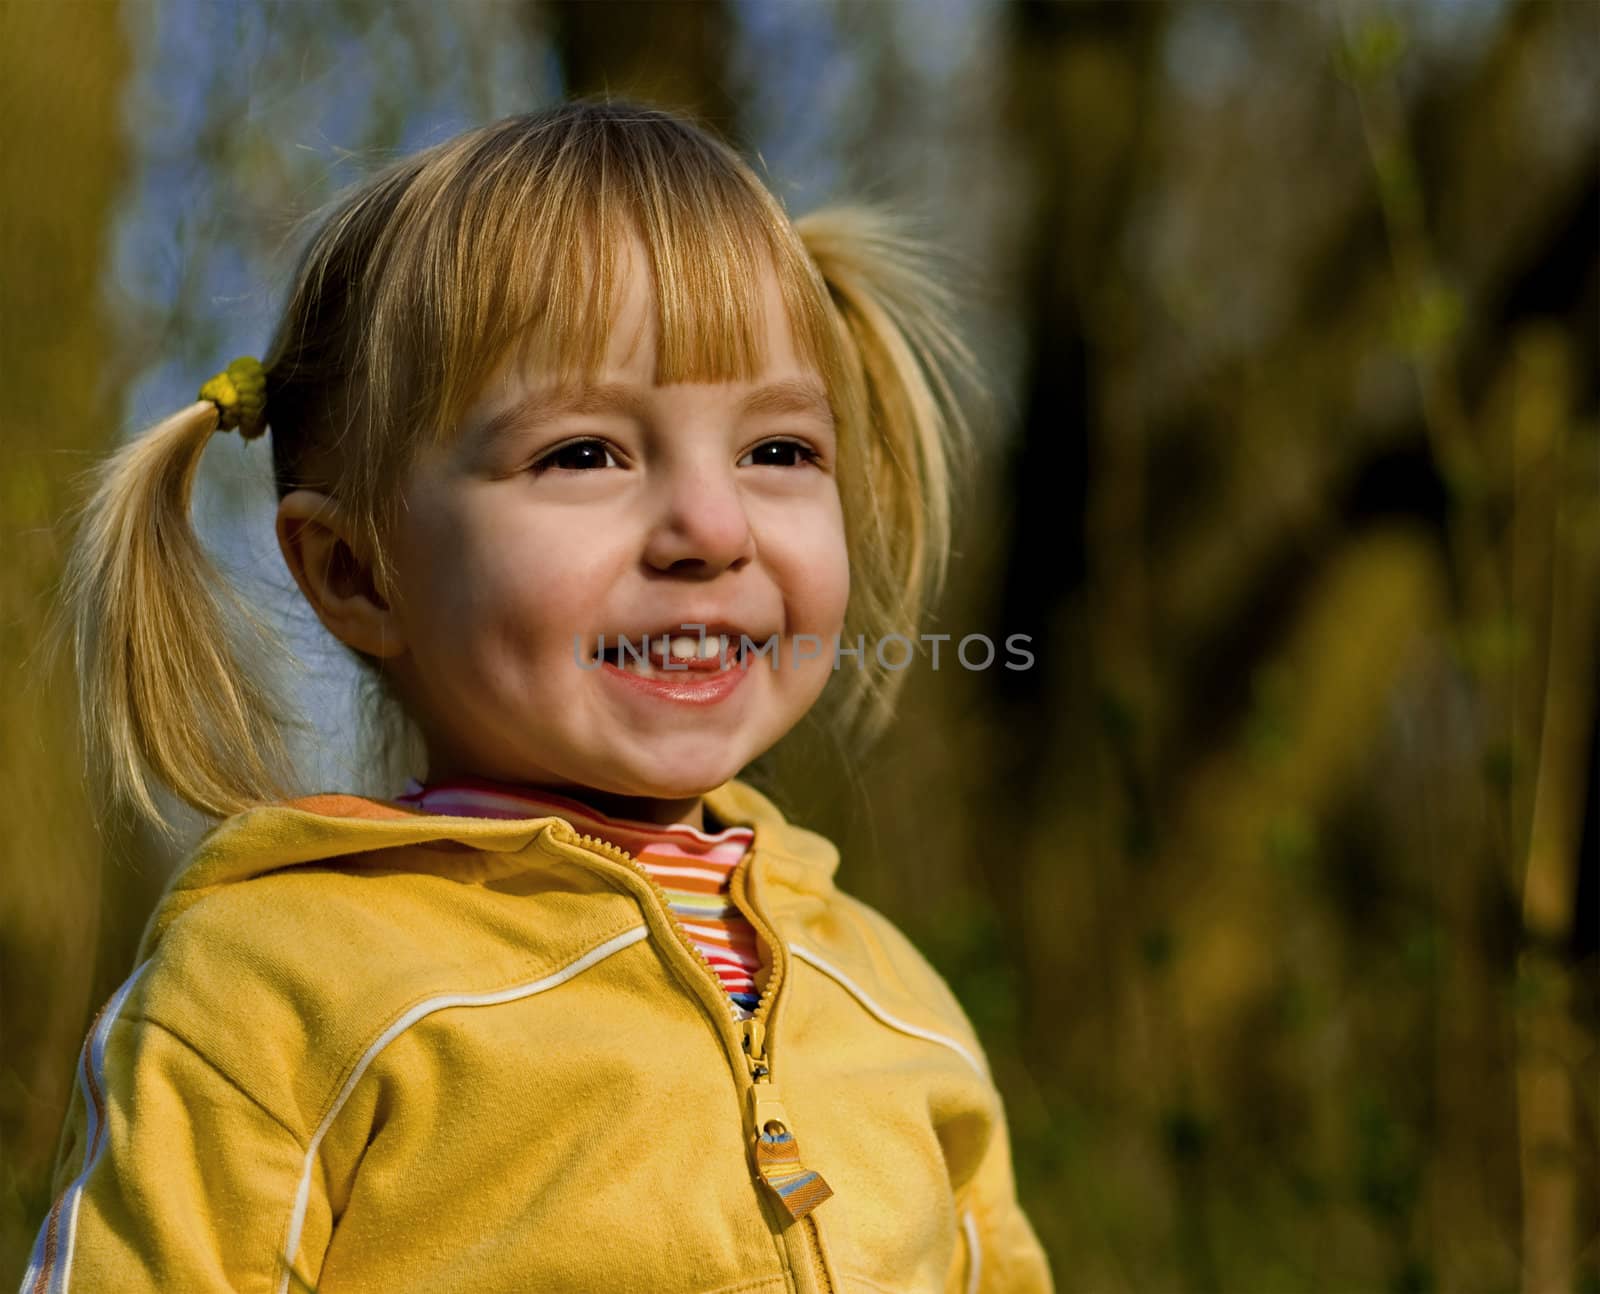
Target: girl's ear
327,561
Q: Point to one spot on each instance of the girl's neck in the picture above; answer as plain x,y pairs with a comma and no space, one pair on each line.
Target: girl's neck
626,808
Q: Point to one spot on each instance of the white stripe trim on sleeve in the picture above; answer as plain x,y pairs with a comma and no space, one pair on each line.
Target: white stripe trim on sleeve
302,1197
894,1022
974,1252
91,1079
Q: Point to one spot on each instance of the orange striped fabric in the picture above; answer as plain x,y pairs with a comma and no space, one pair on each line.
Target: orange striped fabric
692,867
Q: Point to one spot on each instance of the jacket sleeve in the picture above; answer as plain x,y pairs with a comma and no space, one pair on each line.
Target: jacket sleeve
169,1176
999,1253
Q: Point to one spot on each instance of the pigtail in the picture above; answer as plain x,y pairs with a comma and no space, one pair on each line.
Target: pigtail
906,438
164,694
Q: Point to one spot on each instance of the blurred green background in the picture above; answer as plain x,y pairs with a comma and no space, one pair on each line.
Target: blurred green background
1272,888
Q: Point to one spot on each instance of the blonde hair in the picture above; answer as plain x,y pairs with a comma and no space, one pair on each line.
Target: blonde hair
411,291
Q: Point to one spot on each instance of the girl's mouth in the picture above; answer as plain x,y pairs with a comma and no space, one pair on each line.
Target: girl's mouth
674,657
674,670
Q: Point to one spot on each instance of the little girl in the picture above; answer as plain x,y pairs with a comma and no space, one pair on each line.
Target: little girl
593,458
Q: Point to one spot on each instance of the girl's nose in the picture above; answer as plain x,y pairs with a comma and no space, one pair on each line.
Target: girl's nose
702,526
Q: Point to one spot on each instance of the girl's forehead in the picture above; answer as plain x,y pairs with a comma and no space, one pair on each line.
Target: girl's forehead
644,319
634,342
682,309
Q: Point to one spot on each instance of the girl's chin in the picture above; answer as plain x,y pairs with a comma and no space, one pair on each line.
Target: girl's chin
659,803
677,788
682,779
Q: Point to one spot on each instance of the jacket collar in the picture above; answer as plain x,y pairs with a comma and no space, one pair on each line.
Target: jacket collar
322,828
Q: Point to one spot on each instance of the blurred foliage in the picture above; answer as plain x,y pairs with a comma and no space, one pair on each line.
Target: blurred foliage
1272,889
58,390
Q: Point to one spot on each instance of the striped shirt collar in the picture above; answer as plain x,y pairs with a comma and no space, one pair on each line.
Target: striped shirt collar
481,798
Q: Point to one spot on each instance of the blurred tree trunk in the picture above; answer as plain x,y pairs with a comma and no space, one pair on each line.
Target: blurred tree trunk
61,73
1069,63
1557,534
1082,79
667,52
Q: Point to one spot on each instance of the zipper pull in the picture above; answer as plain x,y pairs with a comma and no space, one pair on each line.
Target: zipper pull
777,1153
755,1038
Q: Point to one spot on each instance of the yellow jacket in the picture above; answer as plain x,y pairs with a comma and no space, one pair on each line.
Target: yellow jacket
414,1052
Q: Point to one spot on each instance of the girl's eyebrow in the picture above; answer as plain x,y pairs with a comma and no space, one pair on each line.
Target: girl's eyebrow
789,396
531,411
536,408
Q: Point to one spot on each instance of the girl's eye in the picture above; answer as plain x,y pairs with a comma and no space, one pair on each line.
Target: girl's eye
780,453
578,456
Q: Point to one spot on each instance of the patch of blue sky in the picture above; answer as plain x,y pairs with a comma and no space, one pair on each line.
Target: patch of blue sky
936,38
174,46
1207,51
340,113
231,285
798,76
550,65
1460,29
163,387
522,74
145,262
220,82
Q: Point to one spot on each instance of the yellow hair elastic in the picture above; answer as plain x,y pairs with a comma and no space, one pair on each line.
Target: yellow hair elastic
240,394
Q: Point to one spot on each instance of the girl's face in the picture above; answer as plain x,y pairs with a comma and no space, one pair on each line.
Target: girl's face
625,508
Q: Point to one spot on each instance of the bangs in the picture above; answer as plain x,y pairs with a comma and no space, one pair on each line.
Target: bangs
519,248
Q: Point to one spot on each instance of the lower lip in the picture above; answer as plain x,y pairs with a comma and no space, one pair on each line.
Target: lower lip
686,686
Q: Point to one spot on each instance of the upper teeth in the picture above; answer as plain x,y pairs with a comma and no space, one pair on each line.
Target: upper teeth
685,648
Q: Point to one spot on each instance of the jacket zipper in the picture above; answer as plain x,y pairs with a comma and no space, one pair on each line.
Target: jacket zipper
606,848
771,1123
767,1113
755,1033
